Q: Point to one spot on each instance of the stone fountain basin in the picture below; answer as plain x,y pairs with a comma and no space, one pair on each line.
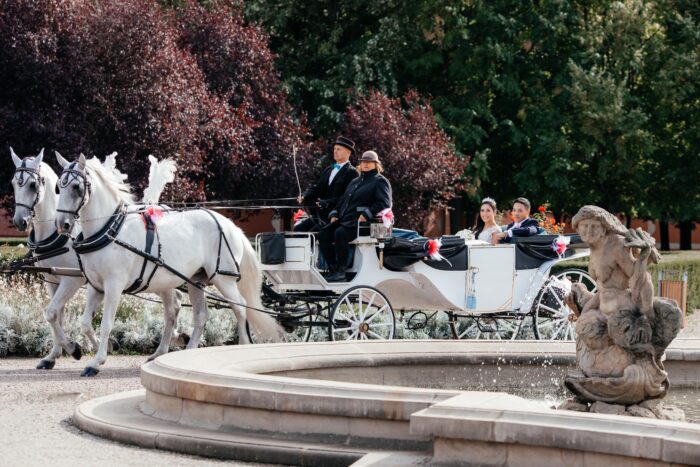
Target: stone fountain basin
340,402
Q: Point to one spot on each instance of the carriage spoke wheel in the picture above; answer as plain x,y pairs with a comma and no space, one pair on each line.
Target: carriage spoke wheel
362,313
552,319
484,327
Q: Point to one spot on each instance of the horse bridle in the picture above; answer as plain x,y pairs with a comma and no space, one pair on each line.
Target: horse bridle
74,174
21,181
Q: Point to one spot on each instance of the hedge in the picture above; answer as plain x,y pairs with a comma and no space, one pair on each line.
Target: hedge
688,261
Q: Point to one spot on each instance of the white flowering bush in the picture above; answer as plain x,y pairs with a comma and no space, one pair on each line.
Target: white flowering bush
137,328
139,323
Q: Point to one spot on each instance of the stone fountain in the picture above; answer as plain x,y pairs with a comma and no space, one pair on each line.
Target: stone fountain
429,402
622,330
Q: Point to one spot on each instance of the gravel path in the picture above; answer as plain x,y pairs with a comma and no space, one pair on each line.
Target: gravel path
36,407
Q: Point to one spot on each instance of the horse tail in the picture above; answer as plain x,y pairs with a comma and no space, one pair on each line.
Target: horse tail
250,286
160,174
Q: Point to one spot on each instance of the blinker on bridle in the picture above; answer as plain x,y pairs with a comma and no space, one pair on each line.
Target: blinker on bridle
69,175
23,171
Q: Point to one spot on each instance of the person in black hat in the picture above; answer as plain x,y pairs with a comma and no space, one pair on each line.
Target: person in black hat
365,197
330,187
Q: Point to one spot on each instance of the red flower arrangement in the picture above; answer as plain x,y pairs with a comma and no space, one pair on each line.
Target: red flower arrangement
547,221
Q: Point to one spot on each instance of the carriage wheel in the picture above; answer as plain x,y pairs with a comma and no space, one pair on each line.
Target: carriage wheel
362,313
551,317
484,327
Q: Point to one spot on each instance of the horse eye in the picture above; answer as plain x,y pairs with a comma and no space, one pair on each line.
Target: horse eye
76,188
32,186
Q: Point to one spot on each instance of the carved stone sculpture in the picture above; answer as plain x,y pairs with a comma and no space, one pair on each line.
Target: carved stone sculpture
622,331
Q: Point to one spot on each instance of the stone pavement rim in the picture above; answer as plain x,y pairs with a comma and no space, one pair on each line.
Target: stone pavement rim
193,391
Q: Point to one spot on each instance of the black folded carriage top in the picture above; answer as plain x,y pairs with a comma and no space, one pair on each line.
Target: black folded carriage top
399,253
531,252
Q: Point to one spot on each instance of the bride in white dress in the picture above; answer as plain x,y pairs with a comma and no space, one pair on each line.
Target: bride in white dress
486,223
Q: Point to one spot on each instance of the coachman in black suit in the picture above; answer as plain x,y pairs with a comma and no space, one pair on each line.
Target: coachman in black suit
364,198
326,192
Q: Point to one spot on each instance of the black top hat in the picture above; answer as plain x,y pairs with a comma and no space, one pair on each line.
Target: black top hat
346,143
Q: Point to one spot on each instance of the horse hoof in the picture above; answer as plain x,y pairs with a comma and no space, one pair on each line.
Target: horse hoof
77,352
46,365
89,372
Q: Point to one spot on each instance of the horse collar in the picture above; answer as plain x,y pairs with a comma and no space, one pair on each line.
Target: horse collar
53,242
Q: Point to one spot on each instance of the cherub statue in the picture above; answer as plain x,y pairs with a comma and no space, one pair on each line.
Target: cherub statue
622,330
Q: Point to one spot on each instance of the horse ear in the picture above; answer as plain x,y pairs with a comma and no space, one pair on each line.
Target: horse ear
64,163
15,158
38,159
82,161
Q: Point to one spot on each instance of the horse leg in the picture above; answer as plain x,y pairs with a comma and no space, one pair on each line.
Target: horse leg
54,316
112,296
229,289
200,314
175,338
171,305
48,362
94,298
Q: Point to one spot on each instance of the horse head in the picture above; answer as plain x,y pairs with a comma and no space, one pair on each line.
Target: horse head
29,186
74,189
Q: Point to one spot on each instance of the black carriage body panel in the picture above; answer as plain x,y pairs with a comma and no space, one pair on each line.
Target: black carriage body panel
531,252
400,253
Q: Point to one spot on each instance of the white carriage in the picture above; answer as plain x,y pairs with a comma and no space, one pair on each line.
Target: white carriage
488,291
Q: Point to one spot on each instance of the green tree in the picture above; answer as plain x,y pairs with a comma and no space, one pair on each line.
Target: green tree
673,92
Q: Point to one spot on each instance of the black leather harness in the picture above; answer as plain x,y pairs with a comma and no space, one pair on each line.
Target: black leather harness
108,234
52,244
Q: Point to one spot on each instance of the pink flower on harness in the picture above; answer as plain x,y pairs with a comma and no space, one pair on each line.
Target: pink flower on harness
154,213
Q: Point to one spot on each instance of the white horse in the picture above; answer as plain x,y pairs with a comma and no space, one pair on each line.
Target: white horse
34,184
199,245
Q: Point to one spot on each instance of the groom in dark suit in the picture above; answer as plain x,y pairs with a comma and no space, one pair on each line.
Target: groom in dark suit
330,186
522,226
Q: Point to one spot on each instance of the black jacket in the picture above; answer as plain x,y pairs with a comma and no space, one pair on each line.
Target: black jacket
328,195
527,227
367,195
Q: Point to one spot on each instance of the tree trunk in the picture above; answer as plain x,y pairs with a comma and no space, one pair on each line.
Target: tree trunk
686,228
663,235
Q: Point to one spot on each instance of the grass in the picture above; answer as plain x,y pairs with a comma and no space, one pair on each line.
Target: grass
9,252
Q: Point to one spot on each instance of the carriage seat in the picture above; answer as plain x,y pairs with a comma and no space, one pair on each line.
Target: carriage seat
399,253
531,252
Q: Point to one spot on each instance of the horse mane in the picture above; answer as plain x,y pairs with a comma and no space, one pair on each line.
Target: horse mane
112,181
